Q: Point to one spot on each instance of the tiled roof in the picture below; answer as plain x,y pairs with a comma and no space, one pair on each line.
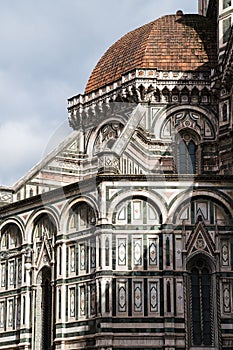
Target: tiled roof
172,42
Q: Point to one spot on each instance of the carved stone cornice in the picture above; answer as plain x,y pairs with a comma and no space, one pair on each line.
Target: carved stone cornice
138,86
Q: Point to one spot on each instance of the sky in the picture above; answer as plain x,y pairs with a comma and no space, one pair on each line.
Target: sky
48,50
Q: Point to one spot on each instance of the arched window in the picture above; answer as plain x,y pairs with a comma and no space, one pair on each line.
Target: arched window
82,216
187,157
11,237
201,286
44,226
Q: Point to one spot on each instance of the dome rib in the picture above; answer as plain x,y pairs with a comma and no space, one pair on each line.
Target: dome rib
172,42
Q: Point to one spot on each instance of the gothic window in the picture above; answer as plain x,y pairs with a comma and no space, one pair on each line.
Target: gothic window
201,304
82,216
226,3
226,29
187,162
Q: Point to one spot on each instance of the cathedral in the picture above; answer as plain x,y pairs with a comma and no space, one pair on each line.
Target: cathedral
122,236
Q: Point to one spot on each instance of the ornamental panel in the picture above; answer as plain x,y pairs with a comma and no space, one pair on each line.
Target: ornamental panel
82,301
153,251
226,287
72,259
122,299
153,297
225,253
137,251
82,257
72,302
121,251
138,296
93,299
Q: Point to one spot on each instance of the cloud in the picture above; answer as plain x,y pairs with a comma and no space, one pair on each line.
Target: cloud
48,50
20,145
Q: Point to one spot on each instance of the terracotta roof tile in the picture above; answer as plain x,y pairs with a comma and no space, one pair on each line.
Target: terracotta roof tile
172,42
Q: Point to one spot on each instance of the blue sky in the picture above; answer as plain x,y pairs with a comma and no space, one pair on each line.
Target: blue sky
48,50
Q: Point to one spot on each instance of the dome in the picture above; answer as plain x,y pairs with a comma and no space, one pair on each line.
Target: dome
173,42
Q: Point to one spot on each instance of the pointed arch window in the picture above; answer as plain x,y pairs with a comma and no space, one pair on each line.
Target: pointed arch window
201,304
187,159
